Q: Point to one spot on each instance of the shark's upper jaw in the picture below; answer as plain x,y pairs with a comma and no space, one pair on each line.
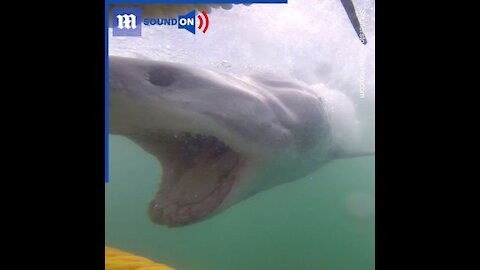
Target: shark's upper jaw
199,172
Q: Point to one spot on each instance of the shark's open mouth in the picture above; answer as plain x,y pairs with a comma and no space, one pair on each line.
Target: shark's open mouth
198,174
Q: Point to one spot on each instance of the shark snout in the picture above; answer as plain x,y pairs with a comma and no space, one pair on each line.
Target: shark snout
172,82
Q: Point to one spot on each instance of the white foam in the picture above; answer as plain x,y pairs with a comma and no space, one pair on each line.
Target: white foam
342,114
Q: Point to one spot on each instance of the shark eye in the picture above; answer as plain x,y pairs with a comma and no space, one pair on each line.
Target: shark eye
162,77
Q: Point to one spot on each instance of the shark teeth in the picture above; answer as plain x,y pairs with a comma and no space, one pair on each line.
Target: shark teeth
199,173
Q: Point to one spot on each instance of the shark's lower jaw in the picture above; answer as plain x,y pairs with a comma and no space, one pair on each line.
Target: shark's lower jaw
199,172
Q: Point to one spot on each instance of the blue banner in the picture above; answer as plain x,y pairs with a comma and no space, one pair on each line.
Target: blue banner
196,1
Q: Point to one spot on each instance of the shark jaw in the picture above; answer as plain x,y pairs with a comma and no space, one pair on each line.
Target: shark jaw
220,138
174,113
200,173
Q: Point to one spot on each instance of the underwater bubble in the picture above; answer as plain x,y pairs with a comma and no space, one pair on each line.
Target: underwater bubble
360,205
225,64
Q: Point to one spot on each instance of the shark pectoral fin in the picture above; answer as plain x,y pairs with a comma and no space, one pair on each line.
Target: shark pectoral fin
340,153
350,9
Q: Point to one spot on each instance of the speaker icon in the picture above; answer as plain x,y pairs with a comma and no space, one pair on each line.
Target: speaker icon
188,21
204,22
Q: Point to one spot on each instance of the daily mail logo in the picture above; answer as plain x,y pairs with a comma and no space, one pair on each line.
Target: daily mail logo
128,21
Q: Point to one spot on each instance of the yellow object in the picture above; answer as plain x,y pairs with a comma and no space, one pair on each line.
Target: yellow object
118,260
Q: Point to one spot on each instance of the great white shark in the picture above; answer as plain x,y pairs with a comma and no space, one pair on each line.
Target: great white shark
222,138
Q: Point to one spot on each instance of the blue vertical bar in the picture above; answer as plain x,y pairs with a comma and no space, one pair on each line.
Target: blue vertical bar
106,94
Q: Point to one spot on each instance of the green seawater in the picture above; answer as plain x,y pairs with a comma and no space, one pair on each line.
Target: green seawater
323,221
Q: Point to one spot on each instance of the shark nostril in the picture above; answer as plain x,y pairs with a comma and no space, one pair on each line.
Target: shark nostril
162,77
